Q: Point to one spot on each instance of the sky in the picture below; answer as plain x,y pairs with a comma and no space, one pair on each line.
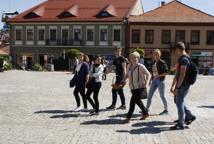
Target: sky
22,5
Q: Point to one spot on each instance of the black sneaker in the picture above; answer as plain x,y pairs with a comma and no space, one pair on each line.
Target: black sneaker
122,107
164,112
177,127
111,107
189,121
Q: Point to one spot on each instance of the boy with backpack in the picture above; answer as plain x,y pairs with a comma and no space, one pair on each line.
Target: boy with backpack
186,76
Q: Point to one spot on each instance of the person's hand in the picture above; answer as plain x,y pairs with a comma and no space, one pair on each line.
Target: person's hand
150,82
171,90
175,91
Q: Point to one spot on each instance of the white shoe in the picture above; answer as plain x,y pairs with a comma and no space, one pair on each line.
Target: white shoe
78,109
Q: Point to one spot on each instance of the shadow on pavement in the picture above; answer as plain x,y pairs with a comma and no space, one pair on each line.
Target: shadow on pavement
52,111
103,122
124,115
206,106
153,127
65,116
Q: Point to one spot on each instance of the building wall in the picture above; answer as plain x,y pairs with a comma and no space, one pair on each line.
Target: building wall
202,47
36,47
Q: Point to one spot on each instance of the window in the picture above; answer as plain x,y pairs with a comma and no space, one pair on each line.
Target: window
18,34
135,36
195,37
64,36
116,34
149,36
180,36
166,36
210,37
77,34
41,34
90,34
53,34
104,14
103,34
30,34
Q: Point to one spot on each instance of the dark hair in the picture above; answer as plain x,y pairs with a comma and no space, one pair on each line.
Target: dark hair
180,46
96,56
117,48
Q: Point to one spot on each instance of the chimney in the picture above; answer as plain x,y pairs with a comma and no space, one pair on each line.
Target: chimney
162,3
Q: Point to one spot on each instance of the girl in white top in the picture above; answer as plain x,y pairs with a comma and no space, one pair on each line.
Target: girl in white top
138,76
94,84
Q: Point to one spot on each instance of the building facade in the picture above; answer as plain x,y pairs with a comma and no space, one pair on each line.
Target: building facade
48,30
163,27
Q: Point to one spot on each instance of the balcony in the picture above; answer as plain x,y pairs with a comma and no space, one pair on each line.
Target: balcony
63,42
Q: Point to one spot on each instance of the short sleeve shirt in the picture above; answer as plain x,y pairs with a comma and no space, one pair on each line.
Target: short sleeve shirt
118,63
183,61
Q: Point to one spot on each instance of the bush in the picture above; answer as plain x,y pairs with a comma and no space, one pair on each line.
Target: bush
141,52
72,53
37,67
8,66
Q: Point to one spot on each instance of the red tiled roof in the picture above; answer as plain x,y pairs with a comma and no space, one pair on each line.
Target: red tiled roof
82,10
174,12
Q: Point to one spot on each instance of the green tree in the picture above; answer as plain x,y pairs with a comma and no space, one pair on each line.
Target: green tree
141,52
72,53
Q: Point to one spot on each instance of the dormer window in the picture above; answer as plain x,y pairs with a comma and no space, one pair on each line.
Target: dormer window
71,12
104,14
108,11
31,15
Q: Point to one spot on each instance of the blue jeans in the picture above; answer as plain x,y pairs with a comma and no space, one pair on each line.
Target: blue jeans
157,83
182,109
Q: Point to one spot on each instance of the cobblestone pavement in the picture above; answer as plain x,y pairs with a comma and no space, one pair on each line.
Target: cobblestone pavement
36,107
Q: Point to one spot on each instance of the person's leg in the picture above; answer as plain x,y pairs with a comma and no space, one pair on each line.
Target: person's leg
161,88
152,90
114,99
96,94
76,91
82,92
182,92
131,107
88,94
122,97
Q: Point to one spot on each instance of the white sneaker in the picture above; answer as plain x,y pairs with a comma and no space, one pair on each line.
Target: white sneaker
77,109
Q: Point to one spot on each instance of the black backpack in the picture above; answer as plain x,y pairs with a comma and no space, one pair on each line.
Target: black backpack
193,71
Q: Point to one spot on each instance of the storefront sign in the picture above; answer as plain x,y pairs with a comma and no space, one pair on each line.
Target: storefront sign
202,54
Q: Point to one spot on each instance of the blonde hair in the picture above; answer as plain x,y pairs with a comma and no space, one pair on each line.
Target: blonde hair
135,54
157,51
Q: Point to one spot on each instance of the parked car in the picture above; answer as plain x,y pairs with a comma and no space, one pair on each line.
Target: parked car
211,72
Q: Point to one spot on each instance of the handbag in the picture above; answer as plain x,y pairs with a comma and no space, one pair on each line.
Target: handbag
141,93
73,81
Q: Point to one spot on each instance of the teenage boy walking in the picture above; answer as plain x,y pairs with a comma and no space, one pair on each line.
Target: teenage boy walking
182,87
119,64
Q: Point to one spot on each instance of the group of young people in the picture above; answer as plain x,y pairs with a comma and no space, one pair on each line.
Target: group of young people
139,79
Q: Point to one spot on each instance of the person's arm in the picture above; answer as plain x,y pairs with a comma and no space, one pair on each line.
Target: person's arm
146,74
173,84
126,76
124,68
100,72
180,78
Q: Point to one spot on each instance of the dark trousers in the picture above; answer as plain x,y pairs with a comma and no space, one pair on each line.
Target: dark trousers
136,99
114,96
81,90
95,90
